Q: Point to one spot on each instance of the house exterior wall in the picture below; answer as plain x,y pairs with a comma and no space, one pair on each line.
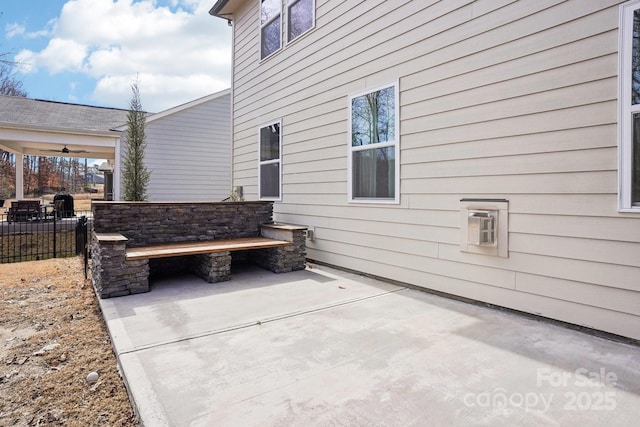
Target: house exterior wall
189,152
499,99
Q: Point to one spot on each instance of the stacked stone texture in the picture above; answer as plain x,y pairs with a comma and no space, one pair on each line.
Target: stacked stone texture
286,258
214,267
144,223
112,275
148,223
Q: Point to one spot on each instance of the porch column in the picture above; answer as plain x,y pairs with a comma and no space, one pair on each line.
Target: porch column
19,176
117,167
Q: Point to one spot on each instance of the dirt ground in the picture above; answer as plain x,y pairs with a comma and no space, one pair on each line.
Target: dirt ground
52,336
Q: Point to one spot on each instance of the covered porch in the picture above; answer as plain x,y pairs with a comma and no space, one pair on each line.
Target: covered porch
31,127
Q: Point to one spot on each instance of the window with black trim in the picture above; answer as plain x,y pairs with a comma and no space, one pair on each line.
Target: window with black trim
269,169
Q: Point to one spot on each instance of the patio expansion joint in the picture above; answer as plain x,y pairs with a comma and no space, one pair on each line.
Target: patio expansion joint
259,322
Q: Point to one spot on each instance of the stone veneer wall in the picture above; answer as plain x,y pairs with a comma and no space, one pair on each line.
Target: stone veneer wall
118,225
146,223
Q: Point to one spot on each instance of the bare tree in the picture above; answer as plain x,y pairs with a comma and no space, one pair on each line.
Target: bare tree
10,84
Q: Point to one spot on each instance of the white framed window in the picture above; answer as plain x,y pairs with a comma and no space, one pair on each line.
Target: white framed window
270,27
374,146
629,108
301,17
269,164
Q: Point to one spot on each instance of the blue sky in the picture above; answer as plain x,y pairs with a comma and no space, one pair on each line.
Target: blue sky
91,51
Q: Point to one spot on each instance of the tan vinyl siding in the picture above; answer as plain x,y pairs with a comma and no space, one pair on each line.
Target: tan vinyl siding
498,99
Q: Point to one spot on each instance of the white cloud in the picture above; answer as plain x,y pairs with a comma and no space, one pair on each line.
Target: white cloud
63,55
179,51
26,61
13,29
158,92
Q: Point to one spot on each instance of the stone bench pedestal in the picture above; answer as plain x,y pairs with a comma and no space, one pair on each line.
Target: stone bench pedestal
286,258
213,268
112,274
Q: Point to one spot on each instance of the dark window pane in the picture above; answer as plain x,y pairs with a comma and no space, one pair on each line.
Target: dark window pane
300,18
270,180
635,167
374,173
271,37
635,60
373,117
270,142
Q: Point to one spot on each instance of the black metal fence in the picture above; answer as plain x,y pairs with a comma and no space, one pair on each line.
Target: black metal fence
33,238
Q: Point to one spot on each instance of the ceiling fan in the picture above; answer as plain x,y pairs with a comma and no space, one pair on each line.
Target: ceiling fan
65,150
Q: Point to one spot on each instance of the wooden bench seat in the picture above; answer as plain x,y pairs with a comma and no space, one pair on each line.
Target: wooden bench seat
195,248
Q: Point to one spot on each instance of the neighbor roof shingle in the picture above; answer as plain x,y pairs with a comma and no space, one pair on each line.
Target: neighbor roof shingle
19,111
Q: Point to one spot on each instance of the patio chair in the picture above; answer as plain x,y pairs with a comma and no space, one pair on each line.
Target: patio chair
58,208
24,210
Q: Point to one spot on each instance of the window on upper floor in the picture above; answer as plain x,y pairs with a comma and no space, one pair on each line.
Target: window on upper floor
629,108
374,146
270,27
300,17
269,170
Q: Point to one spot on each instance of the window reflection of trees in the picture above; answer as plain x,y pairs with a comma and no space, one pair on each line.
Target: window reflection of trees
271,27
300,18
635,99
373,117
635,60
373,124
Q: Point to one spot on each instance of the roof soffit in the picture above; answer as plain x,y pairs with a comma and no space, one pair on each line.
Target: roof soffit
225,8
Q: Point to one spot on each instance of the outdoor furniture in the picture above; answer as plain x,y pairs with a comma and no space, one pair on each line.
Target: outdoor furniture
210,260
133,240
58,208
24,210
53,210
199,248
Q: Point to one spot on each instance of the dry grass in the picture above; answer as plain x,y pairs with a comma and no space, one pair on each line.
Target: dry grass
49,304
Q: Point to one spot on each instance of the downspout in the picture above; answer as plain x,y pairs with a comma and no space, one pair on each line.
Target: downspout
232,99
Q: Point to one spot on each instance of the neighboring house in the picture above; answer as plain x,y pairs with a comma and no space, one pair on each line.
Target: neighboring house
401,131
38,127
188,151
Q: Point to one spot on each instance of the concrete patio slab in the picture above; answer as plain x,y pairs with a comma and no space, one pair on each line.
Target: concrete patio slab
324,347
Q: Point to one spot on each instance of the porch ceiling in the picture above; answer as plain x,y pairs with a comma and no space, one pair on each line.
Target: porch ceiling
43,128
42,142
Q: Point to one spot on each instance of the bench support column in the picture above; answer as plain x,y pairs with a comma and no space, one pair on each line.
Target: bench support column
112,274
285,258
214,267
